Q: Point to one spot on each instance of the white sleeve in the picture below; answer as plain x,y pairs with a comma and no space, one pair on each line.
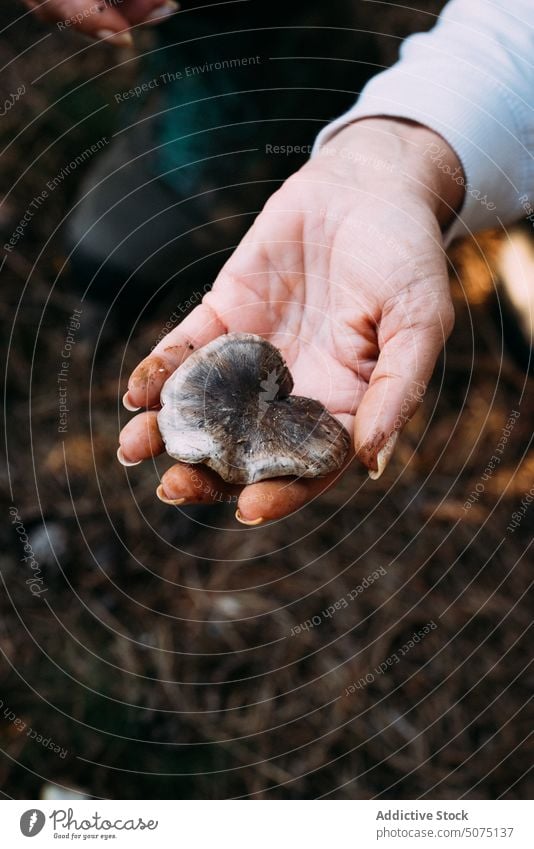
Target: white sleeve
470,79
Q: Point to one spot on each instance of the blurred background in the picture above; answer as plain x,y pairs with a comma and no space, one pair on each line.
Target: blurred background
375,644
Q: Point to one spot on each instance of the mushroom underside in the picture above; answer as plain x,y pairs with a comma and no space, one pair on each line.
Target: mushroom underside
229,407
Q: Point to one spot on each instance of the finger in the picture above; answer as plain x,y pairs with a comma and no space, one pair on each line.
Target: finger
146,381
410,339
276,498
140,439
192,484
91,17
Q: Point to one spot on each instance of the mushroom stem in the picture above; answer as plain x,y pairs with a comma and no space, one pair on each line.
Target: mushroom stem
127,404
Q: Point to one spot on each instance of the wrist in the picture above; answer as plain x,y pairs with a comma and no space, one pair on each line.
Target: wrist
395,150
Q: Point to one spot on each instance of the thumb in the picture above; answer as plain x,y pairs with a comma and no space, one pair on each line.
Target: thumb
411,335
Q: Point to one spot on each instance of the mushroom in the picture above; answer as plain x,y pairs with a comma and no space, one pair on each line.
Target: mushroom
229,406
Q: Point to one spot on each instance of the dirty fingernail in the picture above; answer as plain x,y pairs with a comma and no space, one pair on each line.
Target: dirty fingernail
249,522
123,461
162,497
120,39
162,12
384,455
128,405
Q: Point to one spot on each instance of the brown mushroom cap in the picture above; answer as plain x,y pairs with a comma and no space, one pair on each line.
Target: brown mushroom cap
229,406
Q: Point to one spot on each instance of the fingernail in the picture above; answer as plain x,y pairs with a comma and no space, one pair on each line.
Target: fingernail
123,461
126,404
162,497
162,12
384,455
249,522
120,39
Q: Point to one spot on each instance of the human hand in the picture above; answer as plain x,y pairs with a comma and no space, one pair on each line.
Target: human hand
344,271
107,20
